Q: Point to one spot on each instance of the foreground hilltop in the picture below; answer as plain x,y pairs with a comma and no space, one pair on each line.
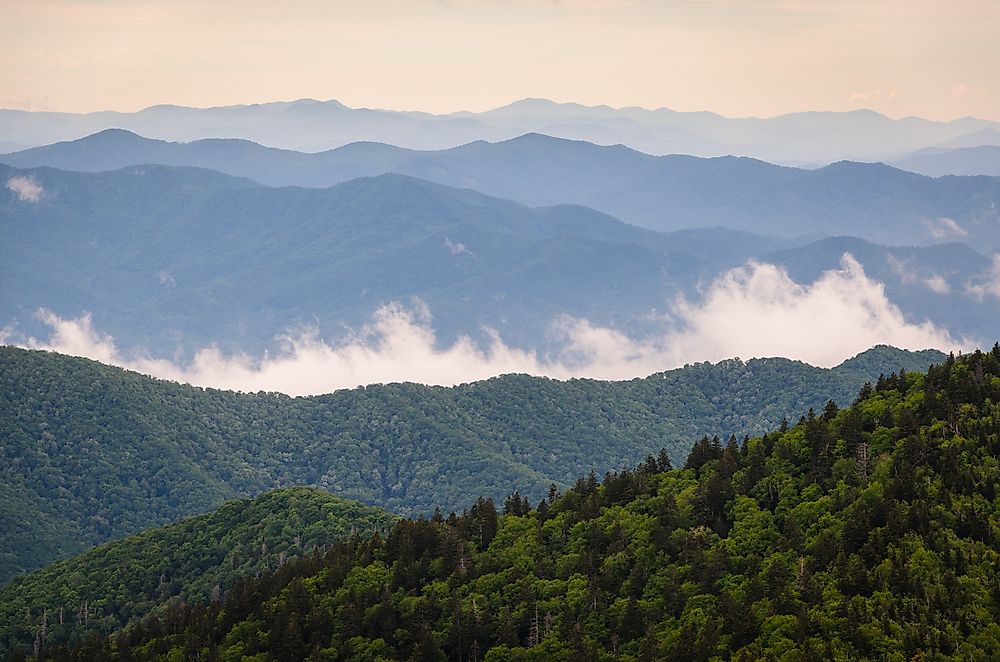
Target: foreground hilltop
91,453
869,532
109,586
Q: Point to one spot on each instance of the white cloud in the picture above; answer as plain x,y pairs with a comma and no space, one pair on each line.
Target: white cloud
937,284
944,228
756,310
909,276
902,268
988,283
26,188
456,248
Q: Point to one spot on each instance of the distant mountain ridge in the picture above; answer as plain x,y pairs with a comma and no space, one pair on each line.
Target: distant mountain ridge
158,255
872,201
312,126
966,161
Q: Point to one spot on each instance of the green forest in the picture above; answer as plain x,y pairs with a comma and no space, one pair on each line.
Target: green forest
864,532
91,453
106,587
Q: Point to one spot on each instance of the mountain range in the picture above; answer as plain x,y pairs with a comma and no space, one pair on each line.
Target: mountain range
157,254
872,201
92,453
310,125
856,533
742,509
967,161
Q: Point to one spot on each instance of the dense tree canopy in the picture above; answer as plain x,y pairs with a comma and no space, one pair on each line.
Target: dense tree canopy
89,453
865,532
106,587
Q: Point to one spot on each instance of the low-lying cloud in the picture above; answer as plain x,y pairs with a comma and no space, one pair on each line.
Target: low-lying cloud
909,276
756,310
937,284
945,228
986,284
456,248
26,188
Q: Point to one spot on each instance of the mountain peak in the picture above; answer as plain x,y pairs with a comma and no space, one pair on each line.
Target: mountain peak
114,134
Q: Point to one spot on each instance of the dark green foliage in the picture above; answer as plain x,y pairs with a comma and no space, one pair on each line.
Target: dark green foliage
89,453
790,549
195,560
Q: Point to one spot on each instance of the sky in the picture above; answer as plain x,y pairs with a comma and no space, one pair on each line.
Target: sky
932,59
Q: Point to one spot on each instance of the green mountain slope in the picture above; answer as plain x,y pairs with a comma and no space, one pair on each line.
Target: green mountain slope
106,587
866,533
90,453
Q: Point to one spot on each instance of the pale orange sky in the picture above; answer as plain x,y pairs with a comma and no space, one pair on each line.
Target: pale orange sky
938,59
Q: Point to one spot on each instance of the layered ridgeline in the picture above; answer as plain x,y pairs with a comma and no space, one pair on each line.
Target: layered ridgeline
937,162
665,193
89,452
870,532
310,125
111,585
157,255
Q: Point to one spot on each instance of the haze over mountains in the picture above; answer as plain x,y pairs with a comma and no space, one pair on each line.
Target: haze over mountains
532,254
156,255
310,125
938,162
544,382
872,201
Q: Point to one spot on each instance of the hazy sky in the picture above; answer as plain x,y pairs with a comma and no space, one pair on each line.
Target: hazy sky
935,59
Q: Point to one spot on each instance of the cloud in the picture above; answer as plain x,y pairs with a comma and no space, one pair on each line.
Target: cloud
945,227
937,284
26,188
456,248
986,284
755,310
909,276
758,310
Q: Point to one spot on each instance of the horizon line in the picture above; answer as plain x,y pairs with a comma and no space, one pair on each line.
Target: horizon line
333,101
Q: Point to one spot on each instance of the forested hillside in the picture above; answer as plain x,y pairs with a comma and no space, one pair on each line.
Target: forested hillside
89,453
107,587
869,532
